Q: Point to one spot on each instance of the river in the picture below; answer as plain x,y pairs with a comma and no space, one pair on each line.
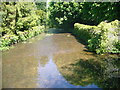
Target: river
58,61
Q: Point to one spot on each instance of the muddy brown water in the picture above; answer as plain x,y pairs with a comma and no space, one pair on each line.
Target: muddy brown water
56,61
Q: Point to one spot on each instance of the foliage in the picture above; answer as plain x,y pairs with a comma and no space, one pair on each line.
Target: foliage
42,16
102,38
41,5
8,18
28,34
41,12
8,39
27,17
65,14
18,16
19,20
84,32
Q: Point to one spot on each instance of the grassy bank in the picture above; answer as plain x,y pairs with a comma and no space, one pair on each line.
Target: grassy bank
102,38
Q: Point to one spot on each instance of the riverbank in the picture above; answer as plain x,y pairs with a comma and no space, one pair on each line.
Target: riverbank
103,38
8,40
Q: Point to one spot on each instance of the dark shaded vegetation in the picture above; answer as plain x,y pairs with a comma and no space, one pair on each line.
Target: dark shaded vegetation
41,5
65,14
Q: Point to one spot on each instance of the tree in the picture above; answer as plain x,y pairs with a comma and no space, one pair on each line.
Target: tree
18,16
65,14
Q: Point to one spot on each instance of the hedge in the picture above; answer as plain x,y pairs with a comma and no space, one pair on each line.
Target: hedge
102,38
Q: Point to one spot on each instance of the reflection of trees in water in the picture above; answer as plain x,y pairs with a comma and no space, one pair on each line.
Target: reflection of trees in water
103,73
43,60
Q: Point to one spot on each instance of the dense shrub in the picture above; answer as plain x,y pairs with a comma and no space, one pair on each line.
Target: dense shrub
30,33
41,5
102,38
84,32
18,16
10,39
42,17
20,21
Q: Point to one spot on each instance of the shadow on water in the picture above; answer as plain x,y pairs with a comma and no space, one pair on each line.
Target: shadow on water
50,77
105,73
57,31
60,31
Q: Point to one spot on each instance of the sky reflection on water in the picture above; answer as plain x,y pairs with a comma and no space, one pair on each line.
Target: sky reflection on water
50,77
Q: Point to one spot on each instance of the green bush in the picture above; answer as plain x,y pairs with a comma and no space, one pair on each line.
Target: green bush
84,32
8,40
102,38
42,17
30,33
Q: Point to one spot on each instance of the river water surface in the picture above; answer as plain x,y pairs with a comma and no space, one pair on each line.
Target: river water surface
57,61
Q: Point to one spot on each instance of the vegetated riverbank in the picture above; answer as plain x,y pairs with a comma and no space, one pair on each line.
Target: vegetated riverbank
103,38
42,63
8,40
